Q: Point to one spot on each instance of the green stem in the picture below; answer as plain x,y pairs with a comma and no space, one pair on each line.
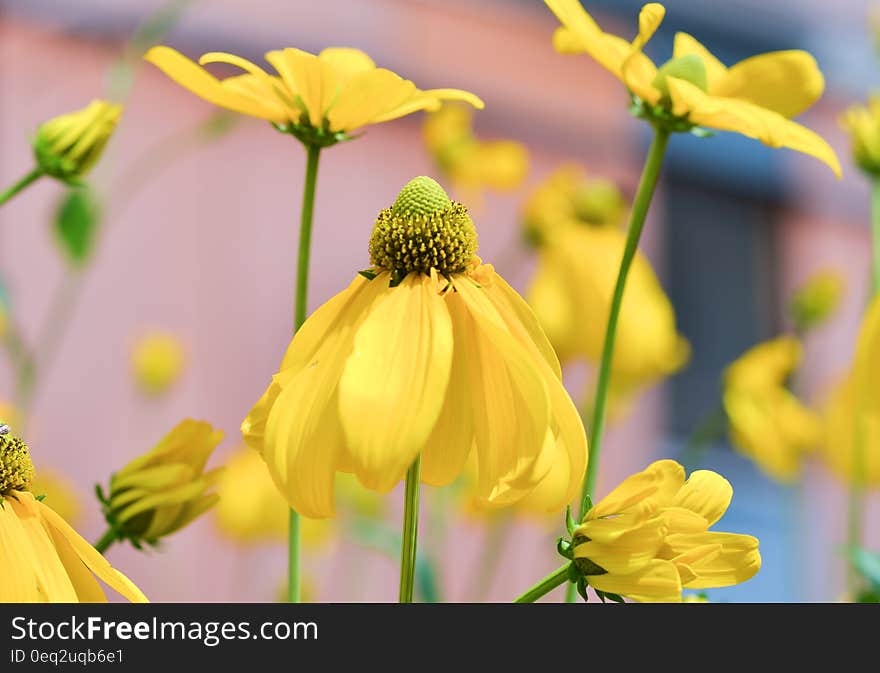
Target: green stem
410,532
28,179
648,182
546,585
875,235
106,541
301,292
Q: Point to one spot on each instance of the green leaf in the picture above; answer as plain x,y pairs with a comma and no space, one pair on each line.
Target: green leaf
369,274
76,225
867,564
570,523
582,589
40,498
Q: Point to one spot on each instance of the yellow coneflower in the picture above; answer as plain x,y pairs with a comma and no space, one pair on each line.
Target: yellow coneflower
649,538
767,422
166,488
43,559
429,353
157,360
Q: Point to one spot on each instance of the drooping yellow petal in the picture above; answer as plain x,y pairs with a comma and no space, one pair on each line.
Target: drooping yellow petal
367,96
753,121
683,520
655,486
629,552
787,82
398,369
656,582
686,44
87,588
738,561
195,78
705,492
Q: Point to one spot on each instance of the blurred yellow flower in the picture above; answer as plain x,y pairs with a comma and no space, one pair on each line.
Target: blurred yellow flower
430,353
648,539
756,97
568,197
157,360
10,415
571,294
67,146
862,122
43,559
262,516
60,494
470,163
851,446
766,421
165,489
314,97
816,300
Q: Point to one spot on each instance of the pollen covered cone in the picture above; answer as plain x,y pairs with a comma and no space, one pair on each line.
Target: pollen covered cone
43,559
757,97
766,421
649,538
165,489
251,511
851,442
338,90
429,353
67,146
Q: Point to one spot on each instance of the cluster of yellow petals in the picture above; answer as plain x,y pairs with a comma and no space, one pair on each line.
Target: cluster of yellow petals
339,89
756,97
67,146
766,421
862,122
648,539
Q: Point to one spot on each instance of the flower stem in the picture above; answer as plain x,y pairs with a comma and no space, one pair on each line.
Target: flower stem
410,532
544,586
299,317
31,177
648,182
106,541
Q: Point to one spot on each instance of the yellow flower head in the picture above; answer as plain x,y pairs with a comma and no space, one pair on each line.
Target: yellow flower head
568,197
573,286
756,97
766,421
165,489
60,494
252,511
851,446
816,300
157,361
429,353
67,147
472,164
42,557
862,122
320,99
648,539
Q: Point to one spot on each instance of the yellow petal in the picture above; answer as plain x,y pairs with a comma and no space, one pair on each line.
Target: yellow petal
715,70
629,552
312,78
682,520
738,561
346,62
87,588
198,80
706,493
787,82
394,382
367,96
732,114
656,582
650,489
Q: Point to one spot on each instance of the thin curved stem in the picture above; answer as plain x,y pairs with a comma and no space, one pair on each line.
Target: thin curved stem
106,541
19,186
410,532
545,586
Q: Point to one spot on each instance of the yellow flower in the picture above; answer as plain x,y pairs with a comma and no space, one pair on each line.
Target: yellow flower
568,197
572,288
862,122
251,510
316,98
756,97
430,354
43,559
816,300
766,421
648,539
472,164
851,446
157,361
67,147
165,489
60,494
